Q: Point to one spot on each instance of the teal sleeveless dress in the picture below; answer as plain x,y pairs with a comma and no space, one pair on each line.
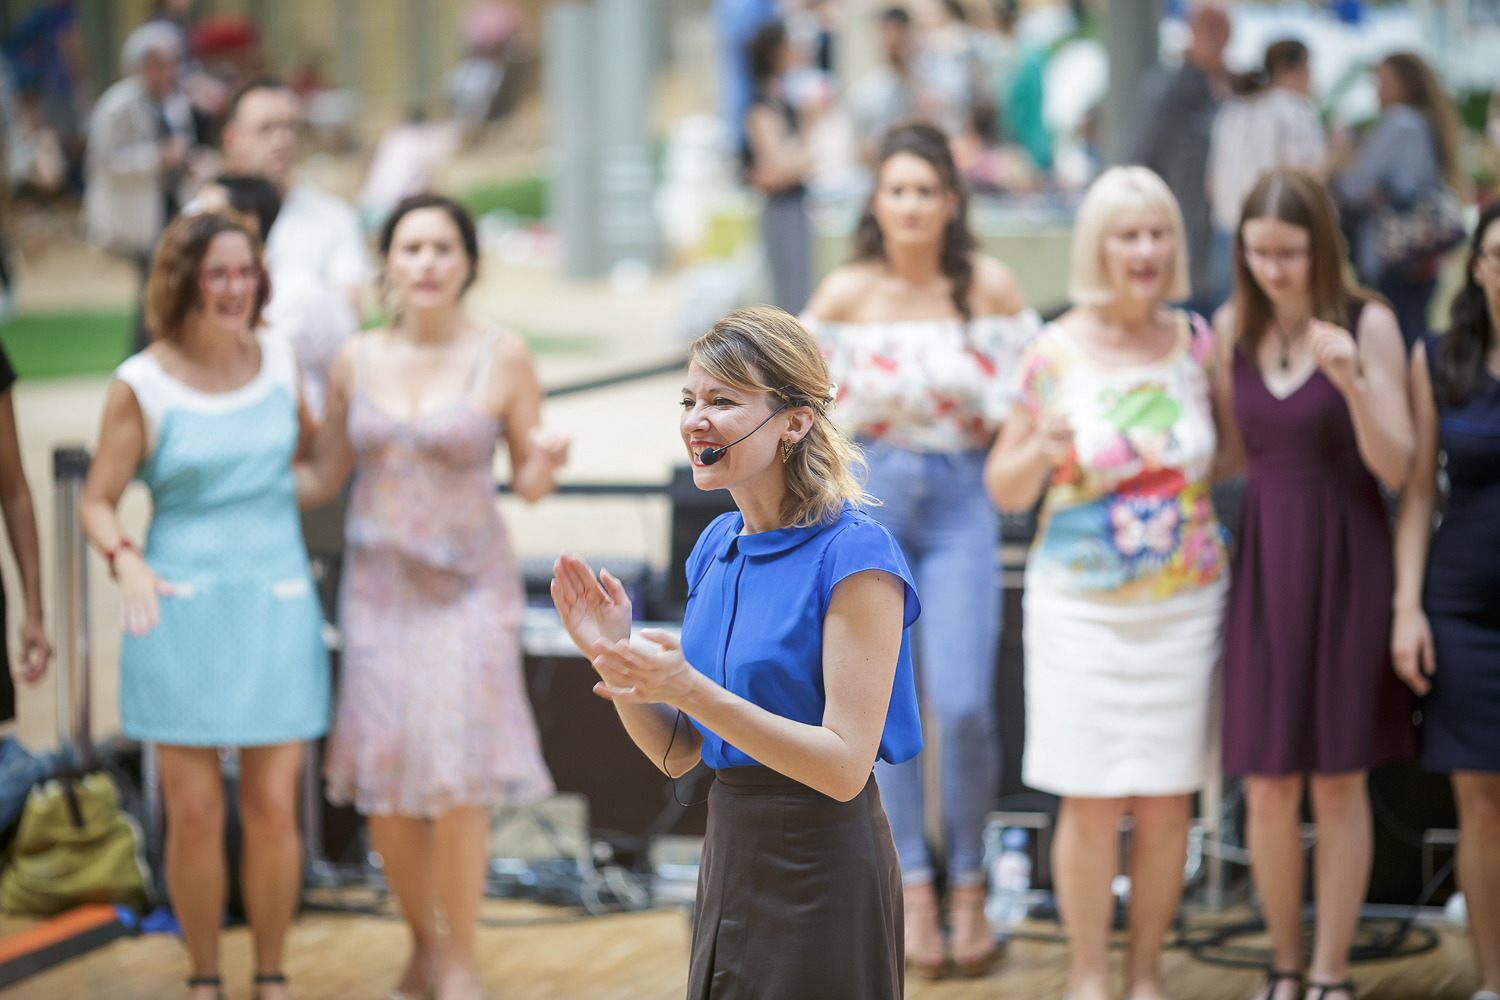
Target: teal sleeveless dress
237,658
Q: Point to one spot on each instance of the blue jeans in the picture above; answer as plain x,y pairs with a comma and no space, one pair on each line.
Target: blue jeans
936,506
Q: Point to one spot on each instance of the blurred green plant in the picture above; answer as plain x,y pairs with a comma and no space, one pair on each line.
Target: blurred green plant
58,345
525,197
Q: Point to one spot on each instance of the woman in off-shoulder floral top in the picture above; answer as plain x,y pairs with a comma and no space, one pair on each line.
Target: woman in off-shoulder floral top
922,336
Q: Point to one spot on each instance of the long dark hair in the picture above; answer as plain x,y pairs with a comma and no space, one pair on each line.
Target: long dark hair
1421,89
1464,350
956,255
1294,197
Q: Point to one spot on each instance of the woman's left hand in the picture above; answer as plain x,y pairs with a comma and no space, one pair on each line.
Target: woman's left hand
549,449
645,677
1337,354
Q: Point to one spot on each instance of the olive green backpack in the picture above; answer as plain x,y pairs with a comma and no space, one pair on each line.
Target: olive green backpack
74,845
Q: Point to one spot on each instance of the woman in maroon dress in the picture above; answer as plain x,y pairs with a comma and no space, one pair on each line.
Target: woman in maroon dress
1320,402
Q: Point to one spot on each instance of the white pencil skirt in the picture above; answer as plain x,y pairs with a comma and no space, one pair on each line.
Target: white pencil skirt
1119,696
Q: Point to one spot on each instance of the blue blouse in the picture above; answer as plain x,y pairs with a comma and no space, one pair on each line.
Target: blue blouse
754,621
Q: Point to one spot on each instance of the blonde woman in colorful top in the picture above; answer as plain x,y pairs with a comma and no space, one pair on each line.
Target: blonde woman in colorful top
1119,405
921,335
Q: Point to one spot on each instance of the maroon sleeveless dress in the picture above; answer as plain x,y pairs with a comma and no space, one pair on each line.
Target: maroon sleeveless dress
1308,683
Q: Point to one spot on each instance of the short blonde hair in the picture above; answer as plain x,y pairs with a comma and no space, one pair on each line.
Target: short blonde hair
1116,191
763,349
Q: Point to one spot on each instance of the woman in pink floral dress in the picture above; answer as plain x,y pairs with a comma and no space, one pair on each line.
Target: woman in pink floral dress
433,724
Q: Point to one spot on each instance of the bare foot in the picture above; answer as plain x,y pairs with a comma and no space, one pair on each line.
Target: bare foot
1088,990
460,982
924,935
1147,989
972,943
271,991
203,993
419,982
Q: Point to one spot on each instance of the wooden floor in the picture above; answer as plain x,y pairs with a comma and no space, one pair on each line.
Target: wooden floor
627,957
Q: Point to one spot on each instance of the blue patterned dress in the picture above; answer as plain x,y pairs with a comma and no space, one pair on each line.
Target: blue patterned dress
237,658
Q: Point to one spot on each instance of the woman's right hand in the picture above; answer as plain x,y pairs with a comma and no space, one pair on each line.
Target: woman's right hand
1411,649
591,609
139,590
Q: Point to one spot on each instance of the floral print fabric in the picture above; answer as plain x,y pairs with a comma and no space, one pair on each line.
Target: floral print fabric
1129,515
925,385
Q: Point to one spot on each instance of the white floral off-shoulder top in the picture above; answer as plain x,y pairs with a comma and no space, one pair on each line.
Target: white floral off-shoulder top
925,385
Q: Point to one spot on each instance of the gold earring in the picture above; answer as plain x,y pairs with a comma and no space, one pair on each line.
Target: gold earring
786,450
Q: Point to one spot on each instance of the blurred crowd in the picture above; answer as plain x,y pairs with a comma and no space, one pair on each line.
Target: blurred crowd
1019,93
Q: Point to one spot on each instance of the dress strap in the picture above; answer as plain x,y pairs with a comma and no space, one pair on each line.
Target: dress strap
480,377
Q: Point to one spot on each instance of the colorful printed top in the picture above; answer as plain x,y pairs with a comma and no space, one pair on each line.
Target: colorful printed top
1129,515
925,385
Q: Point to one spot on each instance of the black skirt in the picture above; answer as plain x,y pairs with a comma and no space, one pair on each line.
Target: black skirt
799,895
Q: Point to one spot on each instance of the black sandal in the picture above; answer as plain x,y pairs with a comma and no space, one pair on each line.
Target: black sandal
217,983
1276,976
1347,986
268,979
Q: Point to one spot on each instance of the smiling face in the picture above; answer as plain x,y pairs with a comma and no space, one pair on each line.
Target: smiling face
427,265
714,415
912,204
1279,256
228,282
1138,254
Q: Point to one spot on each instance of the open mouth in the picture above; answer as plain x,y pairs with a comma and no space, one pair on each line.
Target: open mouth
696,449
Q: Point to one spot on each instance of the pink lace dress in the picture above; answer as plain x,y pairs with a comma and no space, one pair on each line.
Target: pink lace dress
432,708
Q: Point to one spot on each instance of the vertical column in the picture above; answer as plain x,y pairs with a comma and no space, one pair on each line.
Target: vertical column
420,39
624,46
1130,29
569,80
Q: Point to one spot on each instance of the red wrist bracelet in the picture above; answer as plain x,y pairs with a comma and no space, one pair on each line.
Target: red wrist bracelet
110,553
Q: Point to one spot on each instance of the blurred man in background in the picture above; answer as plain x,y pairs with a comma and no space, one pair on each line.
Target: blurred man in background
140,141
1173,124
886,95
315,232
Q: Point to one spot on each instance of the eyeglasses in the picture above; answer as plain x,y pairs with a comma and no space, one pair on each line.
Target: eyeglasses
220,278
1285,258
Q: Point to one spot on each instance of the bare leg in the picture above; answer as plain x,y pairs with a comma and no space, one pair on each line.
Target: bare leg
461,850
1345,851
271,869
1158,850
194,792
405,846
1273,834
1478,795
1085,857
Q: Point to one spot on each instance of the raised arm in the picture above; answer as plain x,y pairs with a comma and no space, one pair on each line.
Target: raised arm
20,525
1371,376
324,464
861,645
535,454
1411,637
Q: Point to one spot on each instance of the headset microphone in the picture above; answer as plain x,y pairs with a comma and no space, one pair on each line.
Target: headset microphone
712,455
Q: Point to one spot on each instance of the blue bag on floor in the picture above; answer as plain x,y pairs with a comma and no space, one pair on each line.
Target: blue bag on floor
19,771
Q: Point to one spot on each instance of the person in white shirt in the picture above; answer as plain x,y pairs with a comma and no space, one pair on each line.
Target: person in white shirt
315,232
1276,126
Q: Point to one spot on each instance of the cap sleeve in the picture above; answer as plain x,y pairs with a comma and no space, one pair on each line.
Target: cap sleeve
863,545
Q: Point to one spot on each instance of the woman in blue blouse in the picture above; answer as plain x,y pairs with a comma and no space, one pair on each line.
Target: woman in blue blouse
794,673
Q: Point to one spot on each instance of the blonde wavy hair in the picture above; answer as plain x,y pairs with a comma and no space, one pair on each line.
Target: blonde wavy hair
763,349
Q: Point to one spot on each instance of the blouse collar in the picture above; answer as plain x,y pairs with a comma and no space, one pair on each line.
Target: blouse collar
766,543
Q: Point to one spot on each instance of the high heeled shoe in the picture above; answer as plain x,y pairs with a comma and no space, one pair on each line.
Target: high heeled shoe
968,924
920,903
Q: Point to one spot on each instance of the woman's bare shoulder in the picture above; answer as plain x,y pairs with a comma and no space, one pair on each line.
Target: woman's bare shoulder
995,289
839,295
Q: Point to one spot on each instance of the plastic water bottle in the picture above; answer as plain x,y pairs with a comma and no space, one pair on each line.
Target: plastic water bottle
1010,880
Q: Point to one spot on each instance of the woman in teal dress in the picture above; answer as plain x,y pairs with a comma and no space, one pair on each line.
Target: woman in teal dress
222,643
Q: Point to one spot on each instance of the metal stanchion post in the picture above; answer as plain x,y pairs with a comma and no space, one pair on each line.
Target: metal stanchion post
69,468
